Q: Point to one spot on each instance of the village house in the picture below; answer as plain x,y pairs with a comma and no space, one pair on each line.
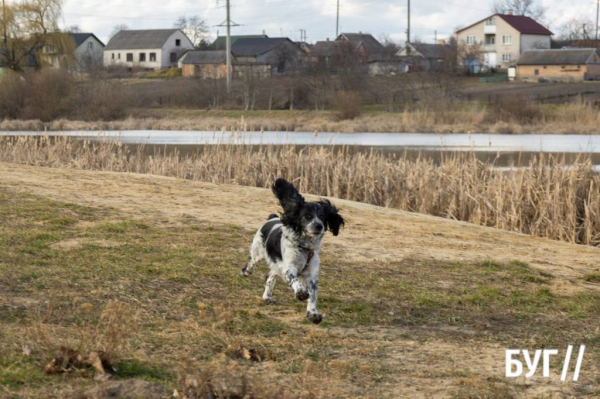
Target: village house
426,56
204,64
89,51
366,46
499,40
279,52
148,49
220,42
564,65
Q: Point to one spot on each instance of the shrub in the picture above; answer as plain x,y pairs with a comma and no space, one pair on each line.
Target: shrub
12,96
348,105
513,109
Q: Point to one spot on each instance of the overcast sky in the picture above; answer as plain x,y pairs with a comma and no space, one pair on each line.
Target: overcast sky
317,17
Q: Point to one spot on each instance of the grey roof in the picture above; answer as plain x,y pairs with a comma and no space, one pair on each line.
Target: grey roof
139,39
372,45
429,50
221,41
79,38
556,57
205,57
248,47
324,48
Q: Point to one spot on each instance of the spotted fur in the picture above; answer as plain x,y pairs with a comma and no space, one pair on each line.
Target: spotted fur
290,245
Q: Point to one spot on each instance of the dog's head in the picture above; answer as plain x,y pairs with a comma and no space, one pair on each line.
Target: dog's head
306,218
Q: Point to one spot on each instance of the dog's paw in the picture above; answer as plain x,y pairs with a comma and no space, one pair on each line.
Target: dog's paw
245,272
314,318
270,301
302,295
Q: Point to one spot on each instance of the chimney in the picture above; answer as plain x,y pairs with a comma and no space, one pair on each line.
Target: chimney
441,42
510,13
327,39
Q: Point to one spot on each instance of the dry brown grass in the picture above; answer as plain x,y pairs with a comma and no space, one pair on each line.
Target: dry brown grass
436,117
549,199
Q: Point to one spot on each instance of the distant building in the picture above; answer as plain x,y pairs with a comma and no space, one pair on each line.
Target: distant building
148,49
366,46
498,41
279,52
426,56
568,65
89,51
389,67
220,42
204,64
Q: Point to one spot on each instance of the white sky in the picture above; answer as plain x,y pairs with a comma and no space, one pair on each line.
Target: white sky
317,17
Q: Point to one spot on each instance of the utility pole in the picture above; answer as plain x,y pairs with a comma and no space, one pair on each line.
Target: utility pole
337,21
597,16
228,56
228,24
4,31
408,29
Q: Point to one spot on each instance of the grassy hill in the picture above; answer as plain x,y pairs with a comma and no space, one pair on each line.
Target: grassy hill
145,270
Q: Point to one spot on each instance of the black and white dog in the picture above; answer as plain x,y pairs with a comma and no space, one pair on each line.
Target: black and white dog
290,244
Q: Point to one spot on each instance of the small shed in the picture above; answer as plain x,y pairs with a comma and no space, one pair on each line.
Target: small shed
204,64
564,65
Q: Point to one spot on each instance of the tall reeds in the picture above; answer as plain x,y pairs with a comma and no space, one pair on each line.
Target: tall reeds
550,198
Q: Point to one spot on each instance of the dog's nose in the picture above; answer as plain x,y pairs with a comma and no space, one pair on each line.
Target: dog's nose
319,227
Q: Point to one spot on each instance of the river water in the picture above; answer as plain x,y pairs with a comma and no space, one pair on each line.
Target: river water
503,149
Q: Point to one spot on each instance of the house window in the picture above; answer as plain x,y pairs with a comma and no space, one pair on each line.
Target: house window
470,40
491,21
173,57
129,57
152,57
178,42
506,39
505,57
119,56
113,56
142,57
90,45
537,72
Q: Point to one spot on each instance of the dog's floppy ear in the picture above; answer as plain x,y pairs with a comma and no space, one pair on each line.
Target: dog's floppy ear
333,220
288,196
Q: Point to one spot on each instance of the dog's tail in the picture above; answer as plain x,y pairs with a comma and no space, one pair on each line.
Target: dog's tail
273,216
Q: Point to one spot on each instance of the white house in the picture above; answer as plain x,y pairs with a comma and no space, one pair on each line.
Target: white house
88,50
498,40
147,49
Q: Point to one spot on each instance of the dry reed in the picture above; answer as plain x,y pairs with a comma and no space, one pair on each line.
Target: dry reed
551,198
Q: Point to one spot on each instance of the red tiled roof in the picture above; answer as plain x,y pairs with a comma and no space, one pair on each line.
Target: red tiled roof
525,25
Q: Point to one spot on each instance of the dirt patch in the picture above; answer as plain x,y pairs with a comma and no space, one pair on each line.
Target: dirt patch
80,242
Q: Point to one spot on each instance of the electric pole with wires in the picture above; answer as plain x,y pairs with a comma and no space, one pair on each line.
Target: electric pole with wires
337,20
228,24
408,29
597,16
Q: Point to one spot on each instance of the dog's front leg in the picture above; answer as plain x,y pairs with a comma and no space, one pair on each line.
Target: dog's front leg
290,275
312,283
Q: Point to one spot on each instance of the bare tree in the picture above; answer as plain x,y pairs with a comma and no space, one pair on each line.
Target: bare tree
118,28
527,8
73,29
195,29
577,29
28,29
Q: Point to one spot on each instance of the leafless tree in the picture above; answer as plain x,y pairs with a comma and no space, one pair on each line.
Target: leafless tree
29,28
118,28
528,8
195,29
577,29
73,29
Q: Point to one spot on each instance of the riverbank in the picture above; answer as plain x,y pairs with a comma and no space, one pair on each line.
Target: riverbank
148,267
551,197
573,118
